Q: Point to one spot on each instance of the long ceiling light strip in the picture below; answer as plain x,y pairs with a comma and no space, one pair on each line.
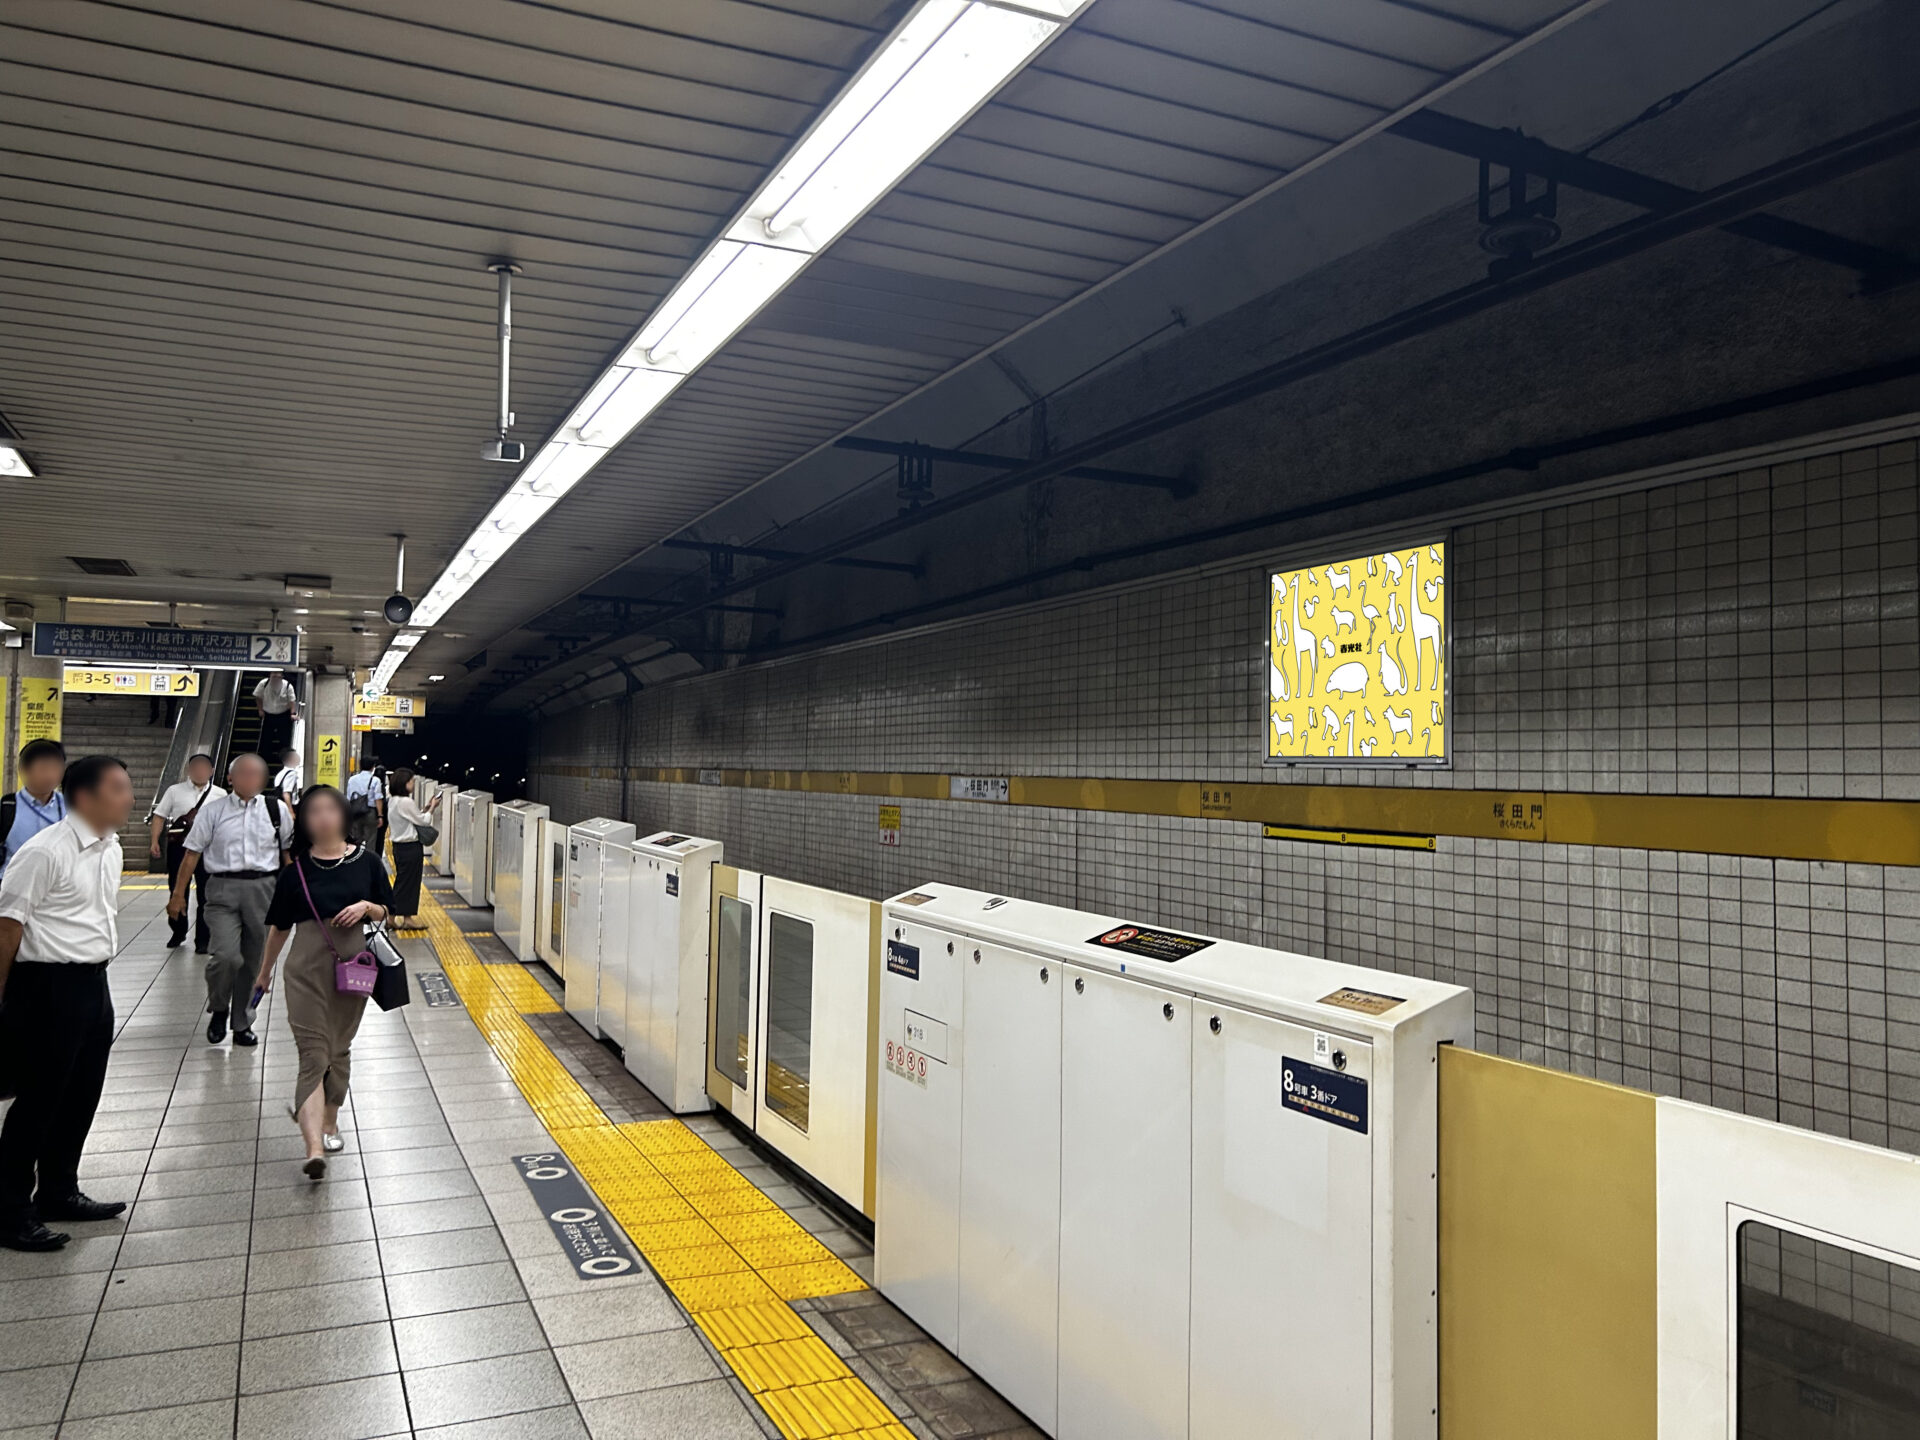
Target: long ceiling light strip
945,60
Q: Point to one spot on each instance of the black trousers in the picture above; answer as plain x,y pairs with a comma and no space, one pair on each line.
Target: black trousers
276,736
56,1030
176,855
408,858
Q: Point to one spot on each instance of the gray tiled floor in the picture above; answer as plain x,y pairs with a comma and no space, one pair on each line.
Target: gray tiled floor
239,1299
417,1290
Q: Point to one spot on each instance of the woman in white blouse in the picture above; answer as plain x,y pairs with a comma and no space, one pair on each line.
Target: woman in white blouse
407,815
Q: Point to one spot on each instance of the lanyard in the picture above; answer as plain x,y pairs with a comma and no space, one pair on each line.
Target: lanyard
55,815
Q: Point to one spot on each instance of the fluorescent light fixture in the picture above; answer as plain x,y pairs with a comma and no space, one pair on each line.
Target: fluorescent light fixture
433,680
946,59
13,465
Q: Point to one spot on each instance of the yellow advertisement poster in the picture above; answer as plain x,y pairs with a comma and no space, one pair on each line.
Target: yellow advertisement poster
39,709
326,762
1357,660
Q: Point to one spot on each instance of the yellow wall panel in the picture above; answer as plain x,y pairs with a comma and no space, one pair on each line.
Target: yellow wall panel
1548,1306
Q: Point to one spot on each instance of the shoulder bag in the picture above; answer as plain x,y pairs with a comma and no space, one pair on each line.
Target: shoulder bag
351,976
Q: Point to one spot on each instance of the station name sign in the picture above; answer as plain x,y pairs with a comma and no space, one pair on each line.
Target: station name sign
144,645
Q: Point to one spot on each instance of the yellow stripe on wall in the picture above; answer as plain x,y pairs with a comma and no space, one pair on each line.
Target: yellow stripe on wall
1548,1266
1877,832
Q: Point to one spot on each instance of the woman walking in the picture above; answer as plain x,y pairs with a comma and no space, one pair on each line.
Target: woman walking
409,853
322,898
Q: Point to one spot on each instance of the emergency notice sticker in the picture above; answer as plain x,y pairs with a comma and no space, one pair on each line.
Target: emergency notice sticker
903,960
1149,944
1329,1095
1367,1002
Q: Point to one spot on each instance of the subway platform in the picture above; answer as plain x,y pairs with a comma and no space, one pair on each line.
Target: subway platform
422,1288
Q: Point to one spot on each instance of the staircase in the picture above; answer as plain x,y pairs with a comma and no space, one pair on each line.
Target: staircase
119,725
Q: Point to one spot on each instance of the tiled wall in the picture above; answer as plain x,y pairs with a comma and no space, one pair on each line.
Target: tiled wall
1751,633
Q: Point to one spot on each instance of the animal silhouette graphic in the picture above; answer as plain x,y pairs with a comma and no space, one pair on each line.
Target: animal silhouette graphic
1401,724
1328,648
1393,679
1434,714
1366,747
1281,730
1433,555
1372,612
1426,630
1432,587
1276,682
1368,712
1306,660
1329,725
1348,679
1342,619
1340,579
1426,742
1396,613
1350,735
1393,565
1308,604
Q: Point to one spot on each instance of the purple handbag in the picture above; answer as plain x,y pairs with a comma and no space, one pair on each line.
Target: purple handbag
354,975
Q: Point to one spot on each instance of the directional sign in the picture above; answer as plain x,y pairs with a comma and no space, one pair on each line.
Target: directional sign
389,705
79,680
403,724
185,649
328,753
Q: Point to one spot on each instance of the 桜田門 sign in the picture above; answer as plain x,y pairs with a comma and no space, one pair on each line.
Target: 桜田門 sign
181,649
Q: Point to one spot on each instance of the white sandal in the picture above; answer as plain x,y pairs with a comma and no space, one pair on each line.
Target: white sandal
333,1144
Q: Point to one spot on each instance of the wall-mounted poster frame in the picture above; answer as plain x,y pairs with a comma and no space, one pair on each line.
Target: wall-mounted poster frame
1360,660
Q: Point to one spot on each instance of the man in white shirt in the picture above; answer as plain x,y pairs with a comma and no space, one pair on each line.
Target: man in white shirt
172,818
59,904
367,818
288,779
242,840
279,706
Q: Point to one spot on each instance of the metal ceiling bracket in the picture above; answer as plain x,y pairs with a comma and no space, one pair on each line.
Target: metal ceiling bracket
982,460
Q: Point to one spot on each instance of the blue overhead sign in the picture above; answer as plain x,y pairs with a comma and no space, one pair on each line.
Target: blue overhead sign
142,645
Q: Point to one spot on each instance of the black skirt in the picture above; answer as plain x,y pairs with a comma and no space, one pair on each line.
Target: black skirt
408,857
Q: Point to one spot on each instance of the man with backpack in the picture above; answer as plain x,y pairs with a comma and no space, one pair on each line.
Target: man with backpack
242,839
171,821
38,803
366,806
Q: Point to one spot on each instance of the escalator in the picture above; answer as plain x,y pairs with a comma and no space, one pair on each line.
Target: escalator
222,720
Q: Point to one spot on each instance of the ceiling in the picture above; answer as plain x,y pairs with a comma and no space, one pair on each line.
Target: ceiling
251,332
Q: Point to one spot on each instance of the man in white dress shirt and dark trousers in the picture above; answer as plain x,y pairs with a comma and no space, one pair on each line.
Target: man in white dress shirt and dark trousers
242,839
171,820
59,907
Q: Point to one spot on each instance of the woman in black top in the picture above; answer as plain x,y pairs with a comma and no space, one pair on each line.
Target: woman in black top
348,885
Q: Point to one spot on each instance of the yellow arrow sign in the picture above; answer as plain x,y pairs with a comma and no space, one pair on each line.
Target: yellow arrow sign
125,681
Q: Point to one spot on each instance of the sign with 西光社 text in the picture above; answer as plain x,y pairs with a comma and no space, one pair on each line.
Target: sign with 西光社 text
144,645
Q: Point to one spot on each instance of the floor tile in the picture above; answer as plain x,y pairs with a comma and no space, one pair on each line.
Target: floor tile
143,1382
171,1184
349,1410
313,1265
481,1389
560,1423
187,1211
318,1307
299,1232
709,1411
455,1336
406,1254
427,1292
28,1344
195,1243
416,1161
162,1327
87,1253
601,1368
602,1314
37,1396
426,1216
317,1357
411,1189
164,1284
208,1420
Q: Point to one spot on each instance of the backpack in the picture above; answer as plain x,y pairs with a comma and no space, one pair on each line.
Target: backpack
363,821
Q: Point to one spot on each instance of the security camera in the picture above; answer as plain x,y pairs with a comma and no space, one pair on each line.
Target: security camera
511,452
398,609
359,627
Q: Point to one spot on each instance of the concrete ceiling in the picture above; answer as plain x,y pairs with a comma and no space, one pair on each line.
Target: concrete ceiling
250,330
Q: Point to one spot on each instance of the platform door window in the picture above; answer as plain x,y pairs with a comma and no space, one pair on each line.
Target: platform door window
1829,1340
733,991
559,900
789,1017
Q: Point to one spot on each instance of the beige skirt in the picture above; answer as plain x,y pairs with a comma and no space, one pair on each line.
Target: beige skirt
323,1020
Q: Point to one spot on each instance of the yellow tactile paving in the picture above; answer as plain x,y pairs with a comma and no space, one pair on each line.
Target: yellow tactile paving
731,1256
